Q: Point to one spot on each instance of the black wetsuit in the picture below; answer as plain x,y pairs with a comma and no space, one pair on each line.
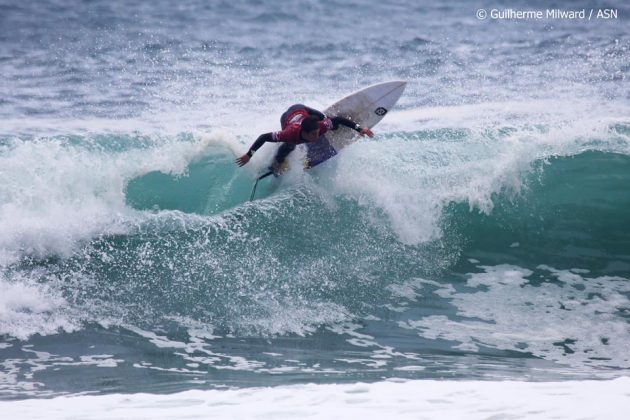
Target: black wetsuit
287,148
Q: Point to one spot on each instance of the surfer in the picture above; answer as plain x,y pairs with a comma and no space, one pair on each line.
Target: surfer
300,124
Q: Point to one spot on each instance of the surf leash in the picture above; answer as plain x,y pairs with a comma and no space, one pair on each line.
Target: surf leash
263,176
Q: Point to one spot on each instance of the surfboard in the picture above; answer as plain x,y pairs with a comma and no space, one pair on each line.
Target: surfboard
367,107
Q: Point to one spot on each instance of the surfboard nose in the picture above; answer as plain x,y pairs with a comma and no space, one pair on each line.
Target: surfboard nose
391,85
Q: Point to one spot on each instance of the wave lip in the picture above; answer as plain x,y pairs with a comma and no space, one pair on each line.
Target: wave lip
61,192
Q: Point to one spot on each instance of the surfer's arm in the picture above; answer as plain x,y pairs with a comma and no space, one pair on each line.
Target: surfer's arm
337,121
262,139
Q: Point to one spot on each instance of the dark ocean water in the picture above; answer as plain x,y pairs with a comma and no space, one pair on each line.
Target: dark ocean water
484,233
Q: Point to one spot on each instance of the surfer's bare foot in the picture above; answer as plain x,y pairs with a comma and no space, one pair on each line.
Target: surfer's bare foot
279,168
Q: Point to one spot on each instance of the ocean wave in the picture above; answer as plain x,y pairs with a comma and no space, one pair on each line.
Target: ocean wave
136,229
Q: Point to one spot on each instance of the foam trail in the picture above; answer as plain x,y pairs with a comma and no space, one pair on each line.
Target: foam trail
398,399
547,320
27,308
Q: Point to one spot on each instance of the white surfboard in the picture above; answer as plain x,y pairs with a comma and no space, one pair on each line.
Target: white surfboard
367,107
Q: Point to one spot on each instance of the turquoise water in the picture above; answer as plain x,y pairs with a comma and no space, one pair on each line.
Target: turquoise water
482,234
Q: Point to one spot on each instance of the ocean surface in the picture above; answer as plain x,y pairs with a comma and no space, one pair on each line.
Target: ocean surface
483,234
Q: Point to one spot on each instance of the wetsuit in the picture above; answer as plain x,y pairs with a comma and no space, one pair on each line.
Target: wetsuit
291,133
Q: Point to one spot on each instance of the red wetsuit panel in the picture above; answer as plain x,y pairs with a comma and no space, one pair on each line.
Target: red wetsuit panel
291,132
295,117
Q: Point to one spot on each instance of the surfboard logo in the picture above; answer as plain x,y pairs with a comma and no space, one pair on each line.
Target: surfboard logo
380,111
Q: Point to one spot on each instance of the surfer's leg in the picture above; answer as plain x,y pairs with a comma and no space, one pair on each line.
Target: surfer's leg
283,152
279,163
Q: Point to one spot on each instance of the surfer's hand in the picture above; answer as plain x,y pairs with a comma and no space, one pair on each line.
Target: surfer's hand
366,132
243,160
